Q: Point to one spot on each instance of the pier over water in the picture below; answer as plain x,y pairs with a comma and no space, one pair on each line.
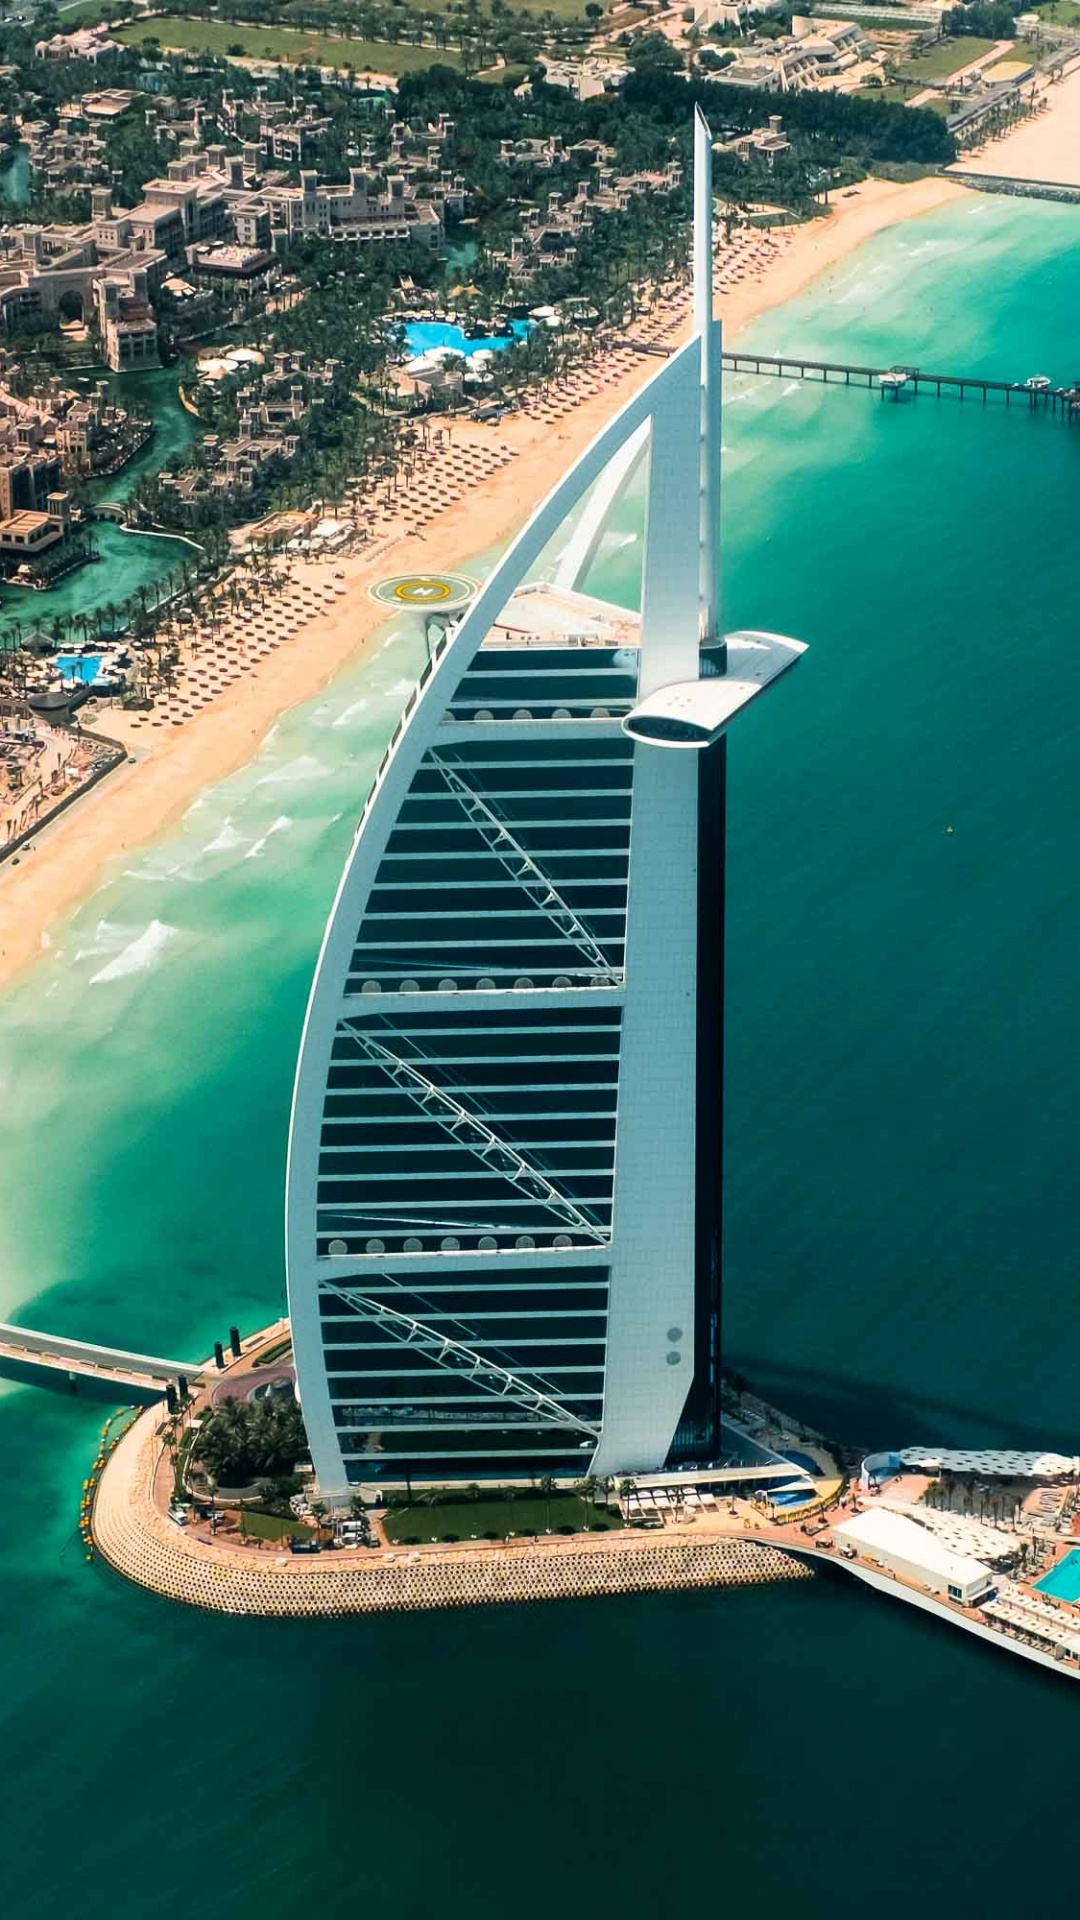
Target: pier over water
1037,393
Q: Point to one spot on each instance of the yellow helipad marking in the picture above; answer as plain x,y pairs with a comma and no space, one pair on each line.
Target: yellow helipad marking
422,590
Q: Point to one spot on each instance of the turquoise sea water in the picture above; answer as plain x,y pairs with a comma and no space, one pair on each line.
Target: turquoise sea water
902,1087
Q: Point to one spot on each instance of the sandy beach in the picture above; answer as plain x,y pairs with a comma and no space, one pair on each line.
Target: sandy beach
1046,147
70,859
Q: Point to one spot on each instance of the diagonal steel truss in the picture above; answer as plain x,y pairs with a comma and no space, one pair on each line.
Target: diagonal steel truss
456,1357
524,869
468,1130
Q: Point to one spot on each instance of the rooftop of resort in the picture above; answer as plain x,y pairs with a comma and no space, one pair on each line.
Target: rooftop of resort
880,1531
543,615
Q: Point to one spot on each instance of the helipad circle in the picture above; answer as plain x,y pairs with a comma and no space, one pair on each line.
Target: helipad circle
424,592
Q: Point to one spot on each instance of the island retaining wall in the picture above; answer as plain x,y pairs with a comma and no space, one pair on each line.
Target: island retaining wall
141,1543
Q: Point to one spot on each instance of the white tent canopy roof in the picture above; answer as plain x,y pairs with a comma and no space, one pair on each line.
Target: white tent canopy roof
994,1462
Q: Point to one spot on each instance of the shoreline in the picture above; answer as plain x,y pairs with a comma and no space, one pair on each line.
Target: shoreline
1043,148
147,794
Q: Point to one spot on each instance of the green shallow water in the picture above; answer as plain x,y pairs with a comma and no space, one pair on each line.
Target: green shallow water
902,1084
15,175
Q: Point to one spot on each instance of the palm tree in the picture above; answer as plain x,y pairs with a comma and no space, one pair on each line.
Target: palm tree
547,1488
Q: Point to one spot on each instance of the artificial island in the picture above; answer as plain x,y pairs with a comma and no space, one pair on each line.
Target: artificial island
501,1375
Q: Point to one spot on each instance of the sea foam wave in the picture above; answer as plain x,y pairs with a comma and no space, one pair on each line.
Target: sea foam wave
138,956
280,825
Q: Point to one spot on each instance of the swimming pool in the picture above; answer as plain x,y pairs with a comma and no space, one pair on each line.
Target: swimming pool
78,666
1063,1581
422,335
803,1460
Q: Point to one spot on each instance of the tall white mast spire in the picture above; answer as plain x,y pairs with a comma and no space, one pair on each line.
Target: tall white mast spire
707,327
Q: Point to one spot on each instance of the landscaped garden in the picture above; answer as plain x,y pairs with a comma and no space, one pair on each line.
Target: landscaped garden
241,1441
291,46
943,59
498,1515
254,1525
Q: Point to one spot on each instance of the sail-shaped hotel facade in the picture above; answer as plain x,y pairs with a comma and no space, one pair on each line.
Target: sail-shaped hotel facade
504,1181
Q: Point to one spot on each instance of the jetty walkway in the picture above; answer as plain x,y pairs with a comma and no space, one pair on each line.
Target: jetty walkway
1038,392
85,1359
891,382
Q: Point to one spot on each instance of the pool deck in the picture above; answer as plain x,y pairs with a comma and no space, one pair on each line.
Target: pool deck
1063,1580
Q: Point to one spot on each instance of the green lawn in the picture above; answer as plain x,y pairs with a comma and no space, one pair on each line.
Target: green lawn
883,93
946,58
473,1519
268,1526
288,45
508,76
1062,13
561,9
88,13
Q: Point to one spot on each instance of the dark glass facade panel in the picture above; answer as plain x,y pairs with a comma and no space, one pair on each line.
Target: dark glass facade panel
482,1125
540,679
504,864
398,1402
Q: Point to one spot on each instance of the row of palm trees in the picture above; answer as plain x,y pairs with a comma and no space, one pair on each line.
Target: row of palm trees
479,33
161,616
976,1501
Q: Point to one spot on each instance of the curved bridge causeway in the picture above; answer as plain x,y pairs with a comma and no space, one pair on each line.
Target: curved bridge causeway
93,1362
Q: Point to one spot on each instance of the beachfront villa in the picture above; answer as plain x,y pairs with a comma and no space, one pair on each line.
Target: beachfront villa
504,1182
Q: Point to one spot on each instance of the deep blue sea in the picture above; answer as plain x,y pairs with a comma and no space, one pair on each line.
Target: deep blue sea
903,1074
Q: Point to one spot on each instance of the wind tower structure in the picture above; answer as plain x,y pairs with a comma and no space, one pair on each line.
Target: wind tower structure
503,1215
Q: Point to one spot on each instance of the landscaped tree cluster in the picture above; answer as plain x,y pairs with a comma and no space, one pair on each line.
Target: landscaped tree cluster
245,1440
993,21
824,128
349,430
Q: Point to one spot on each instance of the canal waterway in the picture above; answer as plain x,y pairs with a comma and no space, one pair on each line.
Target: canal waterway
903,1077
127,561
15,175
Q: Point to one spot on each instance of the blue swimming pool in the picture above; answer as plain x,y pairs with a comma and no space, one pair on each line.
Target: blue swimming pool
803,1460
422,335
78,666
1063,1581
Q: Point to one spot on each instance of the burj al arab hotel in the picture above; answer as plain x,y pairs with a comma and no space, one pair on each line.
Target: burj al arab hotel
504,1180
